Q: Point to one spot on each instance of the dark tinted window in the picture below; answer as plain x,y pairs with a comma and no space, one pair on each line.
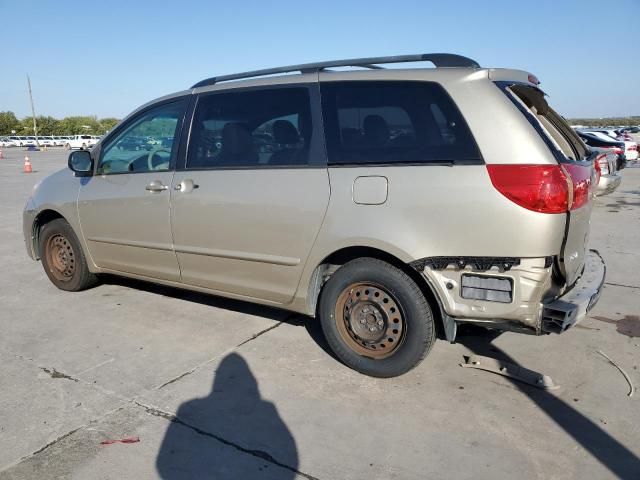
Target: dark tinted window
252,128
394,122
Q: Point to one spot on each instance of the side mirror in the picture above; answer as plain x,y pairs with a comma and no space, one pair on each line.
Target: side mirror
81,163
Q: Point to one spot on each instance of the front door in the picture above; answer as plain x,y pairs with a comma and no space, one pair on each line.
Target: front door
124,207
248,206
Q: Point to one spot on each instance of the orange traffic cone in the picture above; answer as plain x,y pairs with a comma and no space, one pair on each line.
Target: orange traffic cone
27,165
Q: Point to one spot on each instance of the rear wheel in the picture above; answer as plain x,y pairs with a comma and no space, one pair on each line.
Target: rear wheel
62,257
375,318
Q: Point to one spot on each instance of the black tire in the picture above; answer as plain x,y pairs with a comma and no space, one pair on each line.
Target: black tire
62,257
413,341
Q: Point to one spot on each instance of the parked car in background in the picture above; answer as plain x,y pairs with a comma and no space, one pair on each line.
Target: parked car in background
46,141
23,141
7,142
80,141
630,146
132,143
353,233
607,165
614,133
597,141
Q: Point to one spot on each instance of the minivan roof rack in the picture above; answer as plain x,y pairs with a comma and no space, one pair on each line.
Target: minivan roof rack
438,59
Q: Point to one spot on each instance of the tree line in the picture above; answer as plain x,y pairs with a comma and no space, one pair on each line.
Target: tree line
48,125
607,121
93,125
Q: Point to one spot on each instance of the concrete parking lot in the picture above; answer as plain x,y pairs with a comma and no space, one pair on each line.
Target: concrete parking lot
214,388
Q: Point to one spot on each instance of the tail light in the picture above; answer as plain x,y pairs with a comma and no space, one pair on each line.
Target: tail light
544,188
618,150
602,165
583,181
596,166
541,188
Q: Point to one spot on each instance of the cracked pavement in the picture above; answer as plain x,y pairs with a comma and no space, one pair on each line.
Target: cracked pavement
216,388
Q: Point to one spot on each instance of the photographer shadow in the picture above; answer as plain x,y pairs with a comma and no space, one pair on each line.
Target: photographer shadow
232,433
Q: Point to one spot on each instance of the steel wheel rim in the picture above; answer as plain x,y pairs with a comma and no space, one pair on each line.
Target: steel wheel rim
370,320
60,257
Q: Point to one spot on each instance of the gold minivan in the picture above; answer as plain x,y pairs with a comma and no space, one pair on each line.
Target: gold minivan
392,204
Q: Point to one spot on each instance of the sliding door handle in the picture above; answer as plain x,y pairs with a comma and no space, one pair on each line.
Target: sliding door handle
186,186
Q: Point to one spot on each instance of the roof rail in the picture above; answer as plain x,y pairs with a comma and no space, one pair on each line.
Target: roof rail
438,59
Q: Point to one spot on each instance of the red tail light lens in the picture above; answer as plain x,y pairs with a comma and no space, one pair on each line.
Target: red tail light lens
540,188
581,178
617,150
601,165
598,168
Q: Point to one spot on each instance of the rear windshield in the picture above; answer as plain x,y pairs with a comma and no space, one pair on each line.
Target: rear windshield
553,126
391,122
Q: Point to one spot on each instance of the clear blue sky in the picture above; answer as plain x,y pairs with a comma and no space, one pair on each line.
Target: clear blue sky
108,57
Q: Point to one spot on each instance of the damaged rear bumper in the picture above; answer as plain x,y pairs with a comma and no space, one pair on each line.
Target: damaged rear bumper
570,308
496,292
509,294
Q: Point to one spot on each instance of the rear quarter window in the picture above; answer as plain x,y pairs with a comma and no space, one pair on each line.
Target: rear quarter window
391,122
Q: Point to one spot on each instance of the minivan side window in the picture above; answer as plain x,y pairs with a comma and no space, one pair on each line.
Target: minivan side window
249,129
146,143
391,122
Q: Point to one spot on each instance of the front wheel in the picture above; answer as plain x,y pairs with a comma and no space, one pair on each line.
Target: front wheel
375,318
63,259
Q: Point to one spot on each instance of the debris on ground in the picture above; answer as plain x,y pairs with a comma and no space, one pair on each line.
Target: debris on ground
627,378
510,370
120,440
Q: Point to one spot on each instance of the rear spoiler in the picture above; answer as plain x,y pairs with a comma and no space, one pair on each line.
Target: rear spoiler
515,76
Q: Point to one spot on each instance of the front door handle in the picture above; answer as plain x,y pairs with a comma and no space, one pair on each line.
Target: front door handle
156,186
186,185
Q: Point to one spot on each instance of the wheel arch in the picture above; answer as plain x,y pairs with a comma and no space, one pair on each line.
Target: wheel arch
335,260
42,218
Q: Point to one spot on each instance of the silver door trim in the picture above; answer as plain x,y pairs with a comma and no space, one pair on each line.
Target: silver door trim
130,243
235,255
